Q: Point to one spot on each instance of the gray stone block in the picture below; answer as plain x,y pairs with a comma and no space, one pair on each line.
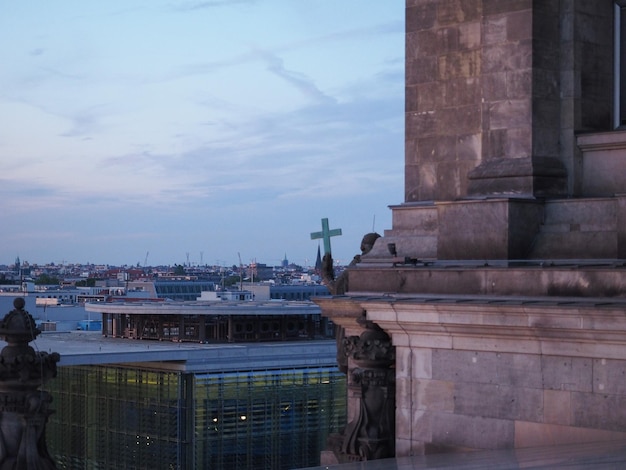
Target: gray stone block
473,432
566,373
609,377
599,411
420,16
498,401
487,368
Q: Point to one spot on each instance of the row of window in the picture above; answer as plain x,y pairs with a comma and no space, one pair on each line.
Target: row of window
122,417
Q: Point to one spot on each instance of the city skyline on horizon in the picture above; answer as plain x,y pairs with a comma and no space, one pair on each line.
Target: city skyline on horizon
223,128
145,263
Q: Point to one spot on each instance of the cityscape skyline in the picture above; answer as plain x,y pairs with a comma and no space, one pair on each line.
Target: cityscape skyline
223,128
190,264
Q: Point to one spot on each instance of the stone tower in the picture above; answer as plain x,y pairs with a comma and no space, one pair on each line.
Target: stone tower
504,271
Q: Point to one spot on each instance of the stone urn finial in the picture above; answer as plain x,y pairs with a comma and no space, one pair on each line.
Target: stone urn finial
24,409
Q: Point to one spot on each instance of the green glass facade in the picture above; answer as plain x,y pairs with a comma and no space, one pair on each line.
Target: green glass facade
111,417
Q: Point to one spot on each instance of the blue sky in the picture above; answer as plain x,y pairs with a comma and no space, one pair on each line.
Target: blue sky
204,127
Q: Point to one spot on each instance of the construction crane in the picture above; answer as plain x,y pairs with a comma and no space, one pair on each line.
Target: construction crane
240,272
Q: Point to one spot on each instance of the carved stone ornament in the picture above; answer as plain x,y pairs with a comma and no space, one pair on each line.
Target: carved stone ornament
24,410
371,389
372,348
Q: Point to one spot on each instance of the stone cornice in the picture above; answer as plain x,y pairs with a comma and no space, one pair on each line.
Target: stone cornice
602,140
570,328
579,327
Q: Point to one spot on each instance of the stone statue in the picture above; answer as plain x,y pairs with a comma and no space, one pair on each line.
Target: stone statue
371,388
339,286
24,409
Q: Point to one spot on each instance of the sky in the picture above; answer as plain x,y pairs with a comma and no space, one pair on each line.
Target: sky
198,131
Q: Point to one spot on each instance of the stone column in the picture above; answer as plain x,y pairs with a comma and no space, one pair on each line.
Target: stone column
23,408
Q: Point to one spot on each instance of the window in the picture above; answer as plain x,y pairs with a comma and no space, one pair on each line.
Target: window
620,64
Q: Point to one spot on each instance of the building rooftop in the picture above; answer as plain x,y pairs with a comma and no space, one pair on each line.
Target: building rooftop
216,307
91,348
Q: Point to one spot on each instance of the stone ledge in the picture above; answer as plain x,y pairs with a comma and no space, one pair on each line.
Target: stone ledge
569,330
603,162
550,281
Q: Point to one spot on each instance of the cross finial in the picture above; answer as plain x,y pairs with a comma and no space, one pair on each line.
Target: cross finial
325,234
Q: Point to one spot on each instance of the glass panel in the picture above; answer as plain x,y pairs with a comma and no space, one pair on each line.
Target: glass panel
124,417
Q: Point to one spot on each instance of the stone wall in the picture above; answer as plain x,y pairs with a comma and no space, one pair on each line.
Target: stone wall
489,400
443,97
494,350
480,376
496,91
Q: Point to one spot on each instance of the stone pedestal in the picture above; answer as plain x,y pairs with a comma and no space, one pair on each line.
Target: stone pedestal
518,177
491,229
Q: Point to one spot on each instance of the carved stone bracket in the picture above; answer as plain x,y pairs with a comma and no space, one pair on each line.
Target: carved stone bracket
370,434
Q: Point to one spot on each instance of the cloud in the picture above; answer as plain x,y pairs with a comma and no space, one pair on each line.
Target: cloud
316,147
299,81
271,55
190,6
83,123
203,129
300,153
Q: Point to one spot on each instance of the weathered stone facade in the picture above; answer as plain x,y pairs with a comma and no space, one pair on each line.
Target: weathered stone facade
487,372
510,101
502,282
497,89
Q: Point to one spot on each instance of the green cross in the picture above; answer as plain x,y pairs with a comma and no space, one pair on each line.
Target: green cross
326,234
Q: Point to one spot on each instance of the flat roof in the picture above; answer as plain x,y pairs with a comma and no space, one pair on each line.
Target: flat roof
198,307
92,348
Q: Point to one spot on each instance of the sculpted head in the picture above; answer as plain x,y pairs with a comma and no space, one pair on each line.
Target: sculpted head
368,242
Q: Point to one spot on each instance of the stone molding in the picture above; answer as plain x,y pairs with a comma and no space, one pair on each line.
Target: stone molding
603,162
572,328
602,140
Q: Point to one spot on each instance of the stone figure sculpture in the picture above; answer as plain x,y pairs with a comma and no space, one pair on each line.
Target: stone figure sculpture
367,359
24,410
339,285
370,434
